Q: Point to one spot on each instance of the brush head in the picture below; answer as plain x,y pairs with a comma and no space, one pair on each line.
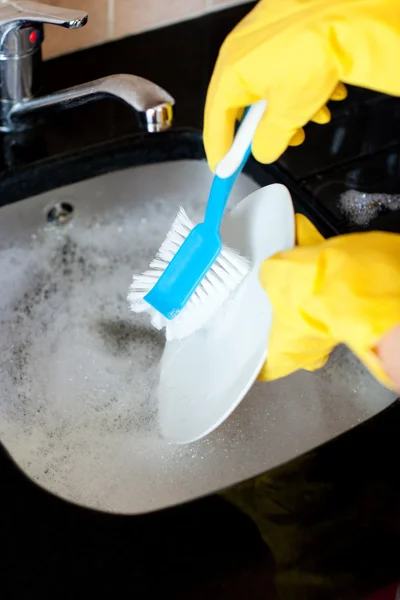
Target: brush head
224,275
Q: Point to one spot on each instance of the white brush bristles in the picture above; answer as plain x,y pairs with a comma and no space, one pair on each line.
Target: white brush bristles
225,275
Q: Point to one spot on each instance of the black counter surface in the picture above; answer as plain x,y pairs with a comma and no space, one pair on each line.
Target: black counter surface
342,500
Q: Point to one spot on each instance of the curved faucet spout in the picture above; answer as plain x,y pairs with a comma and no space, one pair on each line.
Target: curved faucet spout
141,94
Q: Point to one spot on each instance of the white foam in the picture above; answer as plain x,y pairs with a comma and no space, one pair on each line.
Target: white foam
362,208
77,369
74,359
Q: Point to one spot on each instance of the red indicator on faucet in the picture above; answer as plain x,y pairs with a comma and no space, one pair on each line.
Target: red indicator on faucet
34,36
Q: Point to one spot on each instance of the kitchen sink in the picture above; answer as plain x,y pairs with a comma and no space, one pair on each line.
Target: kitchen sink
78,369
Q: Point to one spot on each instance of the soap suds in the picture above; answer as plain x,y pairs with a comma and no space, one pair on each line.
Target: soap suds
78,369
361,208
74,347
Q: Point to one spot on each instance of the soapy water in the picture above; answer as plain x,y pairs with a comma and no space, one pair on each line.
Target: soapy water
72,356
78,370
361,208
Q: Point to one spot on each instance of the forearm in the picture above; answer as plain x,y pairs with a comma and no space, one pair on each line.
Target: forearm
388,351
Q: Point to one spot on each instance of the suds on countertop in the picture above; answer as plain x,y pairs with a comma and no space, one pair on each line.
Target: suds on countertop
361,208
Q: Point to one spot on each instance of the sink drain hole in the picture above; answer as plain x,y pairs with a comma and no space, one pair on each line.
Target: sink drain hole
60,214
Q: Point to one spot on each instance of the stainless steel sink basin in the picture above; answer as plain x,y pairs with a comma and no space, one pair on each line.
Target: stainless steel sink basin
77,369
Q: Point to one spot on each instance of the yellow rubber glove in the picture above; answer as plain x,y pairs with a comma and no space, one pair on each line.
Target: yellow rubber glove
326,292
295,54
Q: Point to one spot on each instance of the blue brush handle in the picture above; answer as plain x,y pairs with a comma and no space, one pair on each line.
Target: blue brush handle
232,164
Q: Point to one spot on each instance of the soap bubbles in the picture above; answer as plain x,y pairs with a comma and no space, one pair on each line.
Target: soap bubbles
361,208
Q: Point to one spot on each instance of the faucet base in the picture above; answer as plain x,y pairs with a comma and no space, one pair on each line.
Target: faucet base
8,125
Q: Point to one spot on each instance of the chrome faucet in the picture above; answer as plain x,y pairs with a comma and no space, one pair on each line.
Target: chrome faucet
21,36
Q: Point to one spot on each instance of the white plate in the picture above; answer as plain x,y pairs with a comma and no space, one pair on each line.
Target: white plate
204,377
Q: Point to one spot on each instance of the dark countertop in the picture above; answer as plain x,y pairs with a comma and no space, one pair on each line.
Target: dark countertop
340,503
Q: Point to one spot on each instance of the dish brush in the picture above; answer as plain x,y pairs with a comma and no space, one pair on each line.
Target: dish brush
193,273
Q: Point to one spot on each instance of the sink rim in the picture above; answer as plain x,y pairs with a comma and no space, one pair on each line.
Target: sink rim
178,143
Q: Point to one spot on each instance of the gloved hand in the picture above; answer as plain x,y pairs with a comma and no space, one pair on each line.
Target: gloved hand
295,54
324,292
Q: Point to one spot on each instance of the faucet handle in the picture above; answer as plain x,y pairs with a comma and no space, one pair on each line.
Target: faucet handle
19,13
